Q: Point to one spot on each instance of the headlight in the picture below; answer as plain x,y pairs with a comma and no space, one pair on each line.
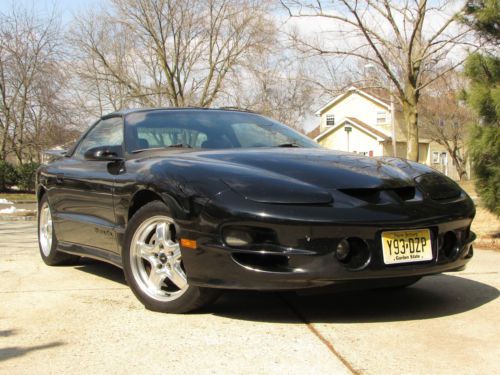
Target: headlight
237,238
243,236
438,187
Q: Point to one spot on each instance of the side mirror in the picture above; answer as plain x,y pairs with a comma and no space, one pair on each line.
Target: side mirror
104,153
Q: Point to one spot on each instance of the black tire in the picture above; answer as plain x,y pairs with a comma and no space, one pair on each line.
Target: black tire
192,298
49,253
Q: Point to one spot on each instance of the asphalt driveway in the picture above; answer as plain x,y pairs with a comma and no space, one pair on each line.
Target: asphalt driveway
84,319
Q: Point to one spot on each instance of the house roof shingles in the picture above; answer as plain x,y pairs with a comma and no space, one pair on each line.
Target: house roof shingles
380,93
371,129
314,133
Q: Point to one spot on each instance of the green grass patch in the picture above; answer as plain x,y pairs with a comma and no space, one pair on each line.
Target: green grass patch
18,197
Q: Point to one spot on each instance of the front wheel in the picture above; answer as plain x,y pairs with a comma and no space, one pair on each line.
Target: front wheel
153,266
47,240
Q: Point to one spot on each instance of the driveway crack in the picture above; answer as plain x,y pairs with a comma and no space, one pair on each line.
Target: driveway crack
318,334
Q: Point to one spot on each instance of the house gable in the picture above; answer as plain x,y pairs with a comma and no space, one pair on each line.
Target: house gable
356,104
361,138
361,126
352,91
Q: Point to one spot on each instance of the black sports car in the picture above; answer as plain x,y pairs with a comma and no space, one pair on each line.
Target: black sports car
189,201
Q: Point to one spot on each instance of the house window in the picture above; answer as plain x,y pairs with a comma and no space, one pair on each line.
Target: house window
330,120
381,117
435,157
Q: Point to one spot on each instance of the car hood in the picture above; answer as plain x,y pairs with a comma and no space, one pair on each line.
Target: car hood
317,167
283,175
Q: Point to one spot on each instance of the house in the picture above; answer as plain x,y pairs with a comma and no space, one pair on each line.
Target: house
360,121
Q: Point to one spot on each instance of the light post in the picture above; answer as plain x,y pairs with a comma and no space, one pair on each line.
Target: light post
393,125
348,129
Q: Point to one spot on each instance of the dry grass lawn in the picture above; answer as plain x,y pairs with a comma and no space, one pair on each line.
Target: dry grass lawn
486,225
487,228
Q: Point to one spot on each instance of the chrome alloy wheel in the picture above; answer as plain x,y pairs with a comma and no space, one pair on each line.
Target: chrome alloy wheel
155,259
45,229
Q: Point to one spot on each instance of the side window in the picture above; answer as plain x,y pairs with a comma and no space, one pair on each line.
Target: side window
330,120
108,132
381,117
435,157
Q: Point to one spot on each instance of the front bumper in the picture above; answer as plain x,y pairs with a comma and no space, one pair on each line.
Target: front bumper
304,256
216,265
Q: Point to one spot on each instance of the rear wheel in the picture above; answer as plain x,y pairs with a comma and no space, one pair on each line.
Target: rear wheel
153,266
47,240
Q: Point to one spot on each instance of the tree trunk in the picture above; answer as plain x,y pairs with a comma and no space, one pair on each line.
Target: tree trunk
3,150
462,173
460,164
5,137
410,115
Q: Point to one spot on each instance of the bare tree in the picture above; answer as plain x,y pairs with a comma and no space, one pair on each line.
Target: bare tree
31,85
168,52
408,41
106,66
446,119
276,87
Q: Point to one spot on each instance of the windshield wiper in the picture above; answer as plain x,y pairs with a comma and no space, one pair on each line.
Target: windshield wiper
180,145
147,149
288,145
177,145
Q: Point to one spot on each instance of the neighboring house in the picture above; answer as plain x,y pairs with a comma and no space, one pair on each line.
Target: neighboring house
53,153
359,121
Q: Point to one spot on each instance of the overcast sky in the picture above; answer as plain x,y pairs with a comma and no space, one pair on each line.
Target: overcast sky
65,8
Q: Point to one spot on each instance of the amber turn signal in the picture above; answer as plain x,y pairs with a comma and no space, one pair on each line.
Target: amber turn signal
190,244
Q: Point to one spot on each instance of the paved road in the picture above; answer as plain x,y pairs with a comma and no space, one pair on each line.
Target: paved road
84,319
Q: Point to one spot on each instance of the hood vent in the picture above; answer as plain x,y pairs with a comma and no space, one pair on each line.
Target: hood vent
381,195
438,187
405,193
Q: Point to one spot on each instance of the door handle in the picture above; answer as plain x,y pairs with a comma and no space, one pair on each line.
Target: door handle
59,178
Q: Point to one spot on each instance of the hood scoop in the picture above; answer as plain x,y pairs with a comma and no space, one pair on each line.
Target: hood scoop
382,195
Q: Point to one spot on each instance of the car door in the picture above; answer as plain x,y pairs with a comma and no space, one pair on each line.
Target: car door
81,196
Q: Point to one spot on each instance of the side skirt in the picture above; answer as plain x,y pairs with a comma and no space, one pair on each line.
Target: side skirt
90,252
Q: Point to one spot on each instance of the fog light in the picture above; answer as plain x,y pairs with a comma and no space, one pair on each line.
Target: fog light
450,245
343,250
237,238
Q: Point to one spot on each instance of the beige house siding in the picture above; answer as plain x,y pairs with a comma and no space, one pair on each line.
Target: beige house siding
365,110
359,141
355,105
400,149
361,111
445,163
423,151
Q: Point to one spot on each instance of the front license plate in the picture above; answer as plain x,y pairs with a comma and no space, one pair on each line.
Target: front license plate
406,246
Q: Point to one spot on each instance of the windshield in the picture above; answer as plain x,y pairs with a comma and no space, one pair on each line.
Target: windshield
209,129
